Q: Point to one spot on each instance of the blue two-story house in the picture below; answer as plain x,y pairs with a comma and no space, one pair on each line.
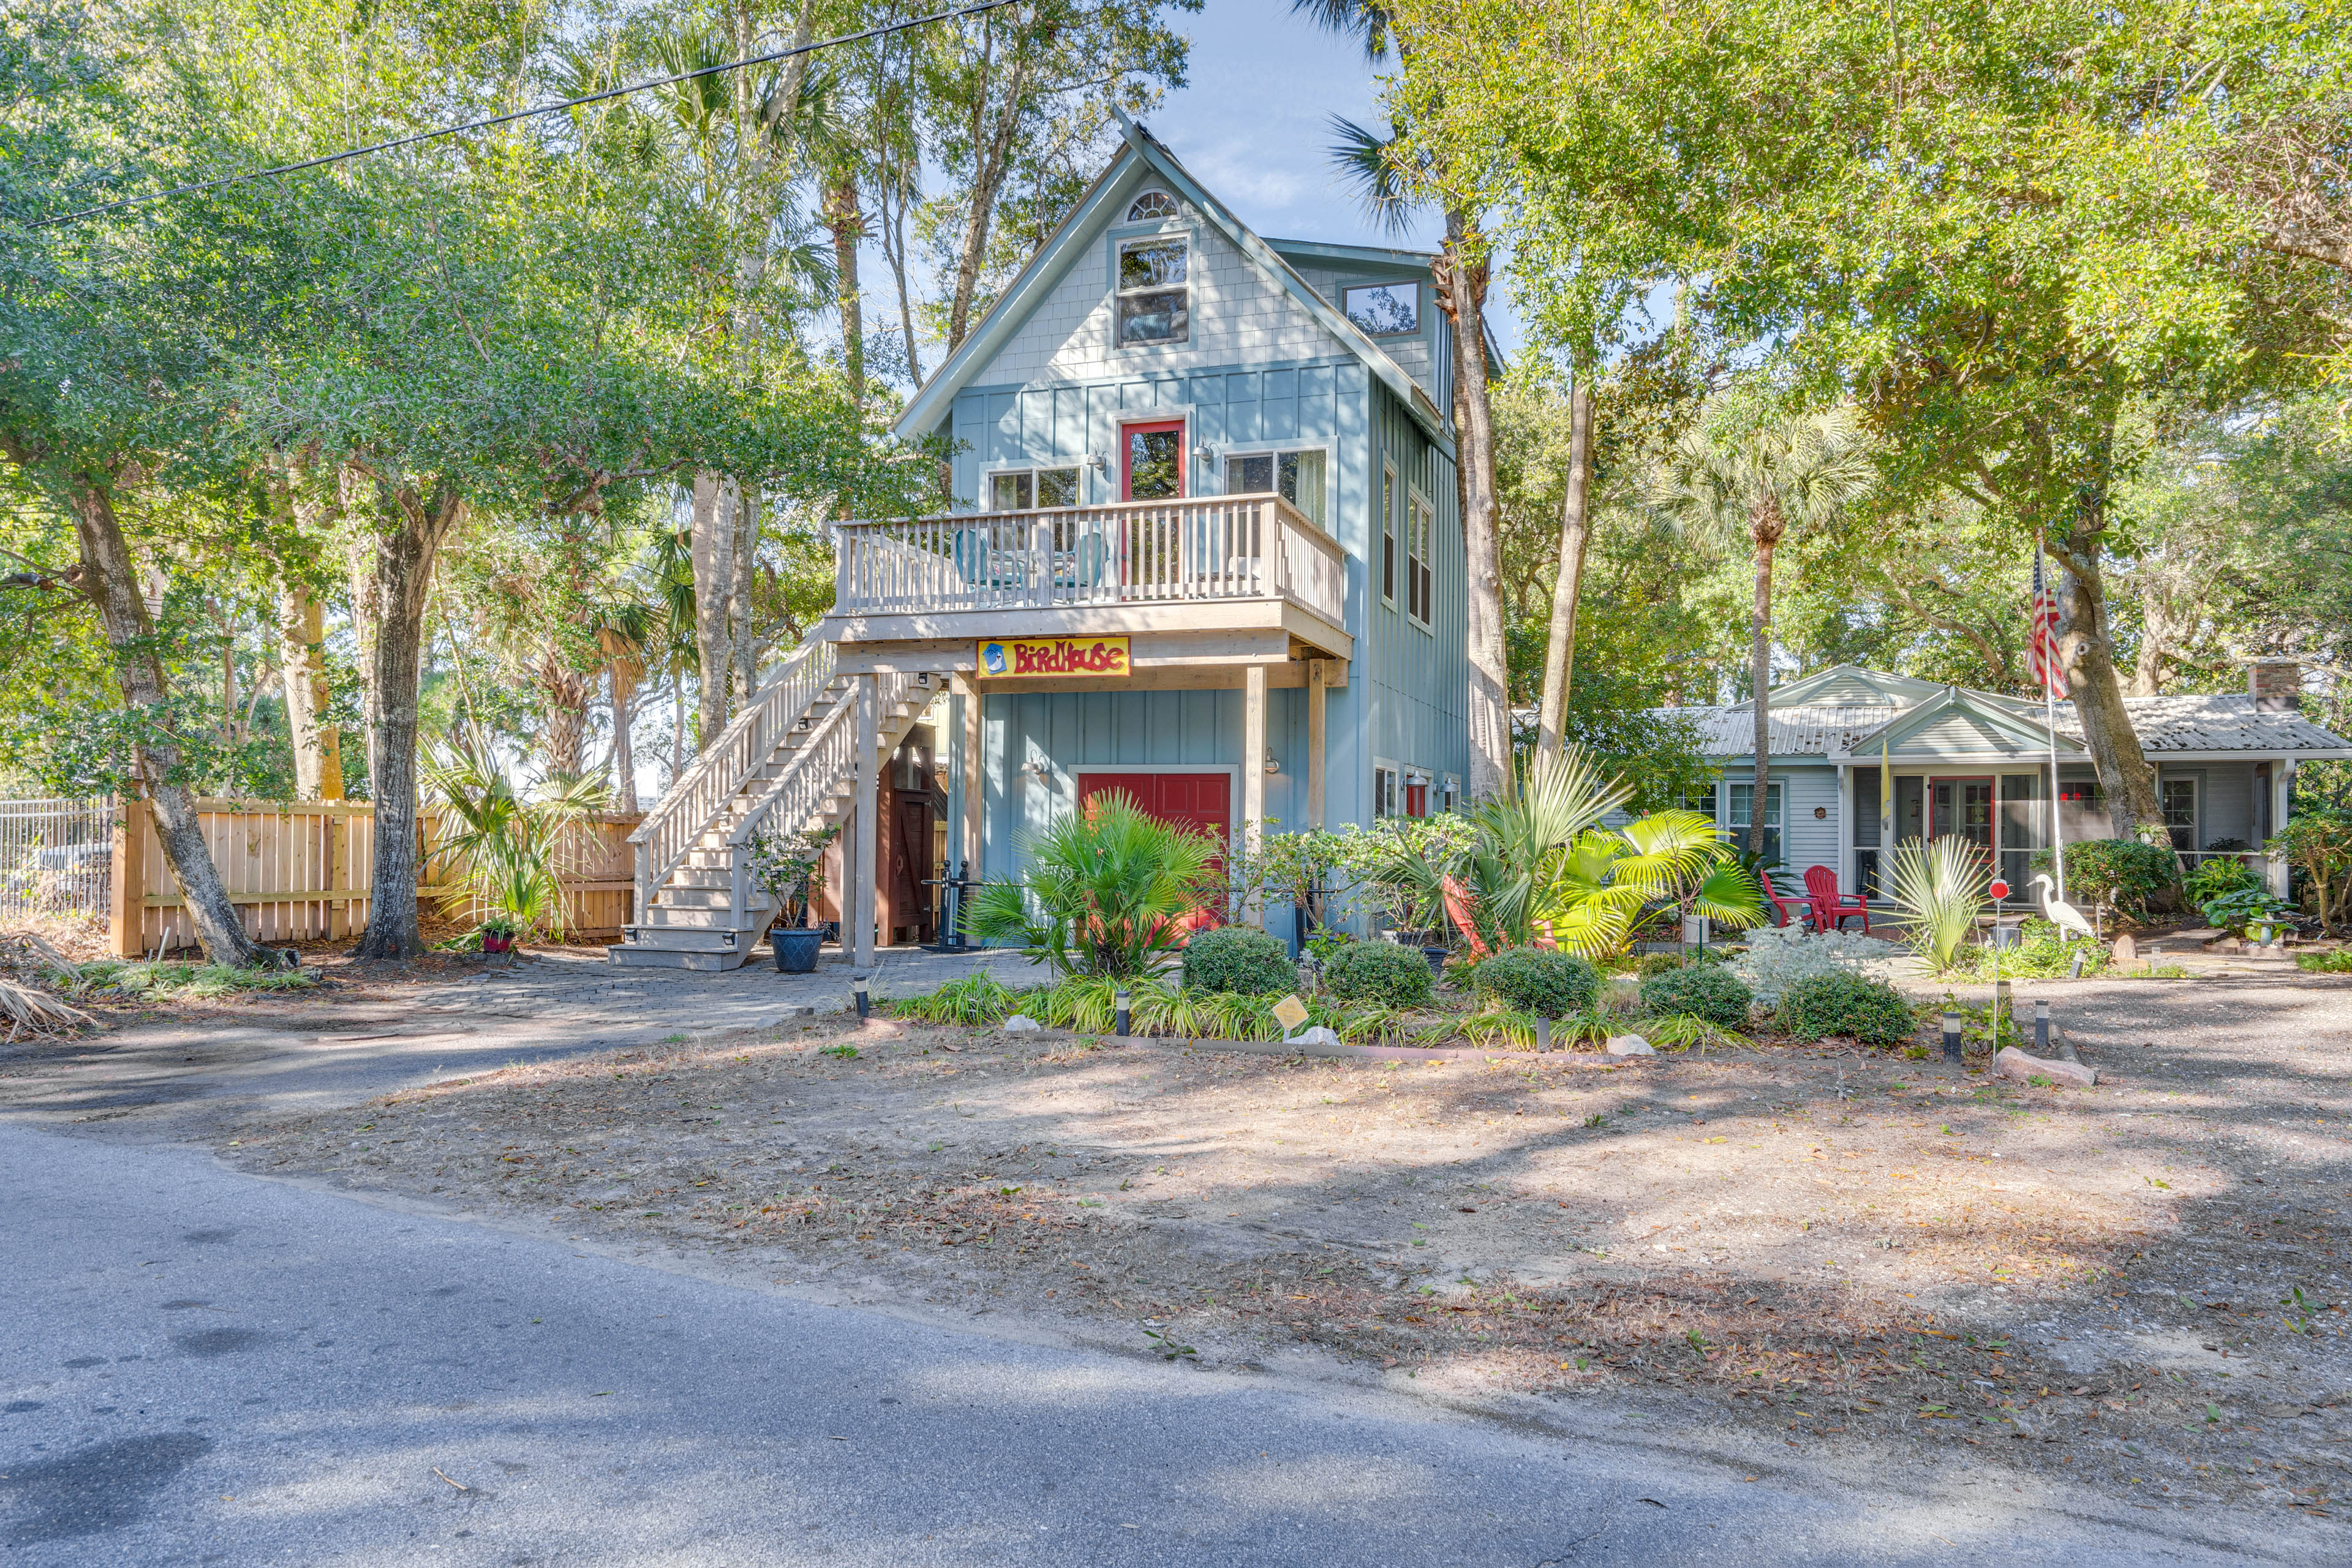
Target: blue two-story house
1207,546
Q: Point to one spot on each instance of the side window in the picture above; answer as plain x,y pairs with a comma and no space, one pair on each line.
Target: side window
1385,780
1151,204
1388,535
1015,492
2180,800
1057,487
1418,540
1154,293
1383,309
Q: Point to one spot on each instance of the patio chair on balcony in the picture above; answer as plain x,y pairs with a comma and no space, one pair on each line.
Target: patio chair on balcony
1088,563
976,562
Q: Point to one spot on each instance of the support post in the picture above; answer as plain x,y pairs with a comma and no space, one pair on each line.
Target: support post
1317,735
975,787
126,911
858,860
1847,878
1253,774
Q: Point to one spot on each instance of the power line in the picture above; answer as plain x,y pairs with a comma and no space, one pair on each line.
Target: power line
884,30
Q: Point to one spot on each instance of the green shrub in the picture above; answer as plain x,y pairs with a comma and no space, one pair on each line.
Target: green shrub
1707,991
1243,960
1869,1010
2218,879
2337,962
2244,909
1543,983
2121,873
1380,973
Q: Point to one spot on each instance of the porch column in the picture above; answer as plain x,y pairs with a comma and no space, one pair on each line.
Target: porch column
975,785
1253,773
1316,734
1886,820
858,859
2281,797
1844,829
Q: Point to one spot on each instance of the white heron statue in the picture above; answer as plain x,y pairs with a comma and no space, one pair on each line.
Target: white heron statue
2061,913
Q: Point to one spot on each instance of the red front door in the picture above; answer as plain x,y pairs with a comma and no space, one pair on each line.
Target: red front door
1152,461
1197,800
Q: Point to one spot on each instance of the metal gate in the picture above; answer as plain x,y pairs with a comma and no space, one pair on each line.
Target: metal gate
55,856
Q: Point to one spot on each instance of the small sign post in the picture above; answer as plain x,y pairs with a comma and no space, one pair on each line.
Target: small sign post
1999,891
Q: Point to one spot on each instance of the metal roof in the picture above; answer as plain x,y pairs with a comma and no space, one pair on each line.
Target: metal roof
2167,726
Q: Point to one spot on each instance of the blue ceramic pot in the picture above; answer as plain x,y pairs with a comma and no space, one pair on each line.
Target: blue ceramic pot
796,948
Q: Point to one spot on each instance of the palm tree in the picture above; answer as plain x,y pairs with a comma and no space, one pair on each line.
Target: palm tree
1762,476
624,627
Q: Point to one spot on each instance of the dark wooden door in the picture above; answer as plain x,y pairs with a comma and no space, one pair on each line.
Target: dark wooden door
904,908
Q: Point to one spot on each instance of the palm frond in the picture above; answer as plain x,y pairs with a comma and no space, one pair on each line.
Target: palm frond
1367,164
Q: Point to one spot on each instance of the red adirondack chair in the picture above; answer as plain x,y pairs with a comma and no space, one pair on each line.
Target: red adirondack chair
1786,912
1463,905
1832,909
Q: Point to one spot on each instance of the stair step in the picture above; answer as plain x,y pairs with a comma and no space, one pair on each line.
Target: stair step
626,955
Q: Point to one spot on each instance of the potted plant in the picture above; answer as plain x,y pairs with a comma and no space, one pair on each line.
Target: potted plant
784,865
498,937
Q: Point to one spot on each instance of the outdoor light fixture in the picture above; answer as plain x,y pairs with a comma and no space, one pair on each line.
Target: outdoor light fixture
1952,1038
2042,1028
1273,765
1124,1015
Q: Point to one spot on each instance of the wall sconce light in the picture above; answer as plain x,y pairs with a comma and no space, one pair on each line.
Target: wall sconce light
1273,765
1096,461
1043,769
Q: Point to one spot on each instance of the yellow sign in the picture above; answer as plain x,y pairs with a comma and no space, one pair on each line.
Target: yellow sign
1053,658
1291,1012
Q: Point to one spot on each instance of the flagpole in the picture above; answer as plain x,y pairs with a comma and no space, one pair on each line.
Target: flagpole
2049,721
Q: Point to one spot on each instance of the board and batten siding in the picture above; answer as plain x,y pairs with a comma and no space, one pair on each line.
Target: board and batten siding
1425,355
1415,681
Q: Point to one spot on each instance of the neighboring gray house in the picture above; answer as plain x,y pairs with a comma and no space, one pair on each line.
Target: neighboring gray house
1979,765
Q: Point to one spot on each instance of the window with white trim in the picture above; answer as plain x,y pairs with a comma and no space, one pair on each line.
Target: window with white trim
1388,789
1388,535
1155,294
1297,476
2179,797
1152,204
1449,795
1420,535
1023,490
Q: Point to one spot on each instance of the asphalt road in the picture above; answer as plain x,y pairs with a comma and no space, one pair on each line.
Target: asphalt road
199,1366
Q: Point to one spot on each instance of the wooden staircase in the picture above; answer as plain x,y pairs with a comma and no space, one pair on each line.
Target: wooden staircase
787,763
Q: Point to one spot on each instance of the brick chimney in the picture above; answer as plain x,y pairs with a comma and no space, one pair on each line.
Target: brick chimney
2276,684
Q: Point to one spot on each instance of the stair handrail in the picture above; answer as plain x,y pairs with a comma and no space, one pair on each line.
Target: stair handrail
668,834
816,765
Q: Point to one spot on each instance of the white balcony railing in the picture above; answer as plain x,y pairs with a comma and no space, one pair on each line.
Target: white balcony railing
1132,552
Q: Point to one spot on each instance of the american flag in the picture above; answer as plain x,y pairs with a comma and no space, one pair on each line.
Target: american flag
2042,655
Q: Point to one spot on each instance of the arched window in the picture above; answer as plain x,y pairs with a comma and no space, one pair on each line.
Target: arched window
1151,204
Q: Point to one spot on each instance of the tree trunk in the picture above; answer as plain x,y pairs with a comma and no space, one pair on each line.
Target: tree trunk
563,707
318,745
744,650
110,578
624,756
712,547
1575,533
992,148
848,227
2087,641
1465,296
367,614
1760,680
410,528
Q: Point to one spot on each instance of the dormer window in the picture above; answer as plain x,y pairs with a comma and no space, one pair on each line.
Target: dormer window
1384,309
1154,298
1150,206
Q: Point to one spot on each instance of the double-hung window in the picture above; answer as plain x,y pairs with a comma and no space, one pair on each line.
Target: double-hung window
1420,530
1388,535
1020,489
1154,292
1742,817
1387,789
1297,476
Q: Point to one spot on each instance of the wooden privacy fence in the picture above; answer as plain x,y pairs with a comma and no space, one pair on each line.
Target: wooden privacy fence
301,871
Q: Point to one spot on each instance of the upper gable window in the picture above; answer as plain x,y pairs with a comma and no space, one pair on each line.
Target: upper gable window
1151,204
1154,296
1384,309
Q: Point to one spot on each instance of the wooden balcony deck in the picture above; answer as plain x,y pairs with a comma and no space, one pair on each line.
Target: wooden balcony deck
1242,564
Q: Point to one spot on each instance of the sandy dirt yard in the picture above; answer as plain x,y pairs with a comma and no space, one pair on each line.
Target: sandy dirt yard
2136,1289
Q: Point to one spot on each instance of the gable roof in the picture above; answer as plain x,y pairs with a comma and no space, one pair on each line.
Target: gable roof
1012,308
1851,714
1957,722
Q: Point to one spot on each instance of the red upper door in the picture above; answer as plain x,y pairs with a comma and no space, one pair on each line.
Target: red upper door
1152,461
